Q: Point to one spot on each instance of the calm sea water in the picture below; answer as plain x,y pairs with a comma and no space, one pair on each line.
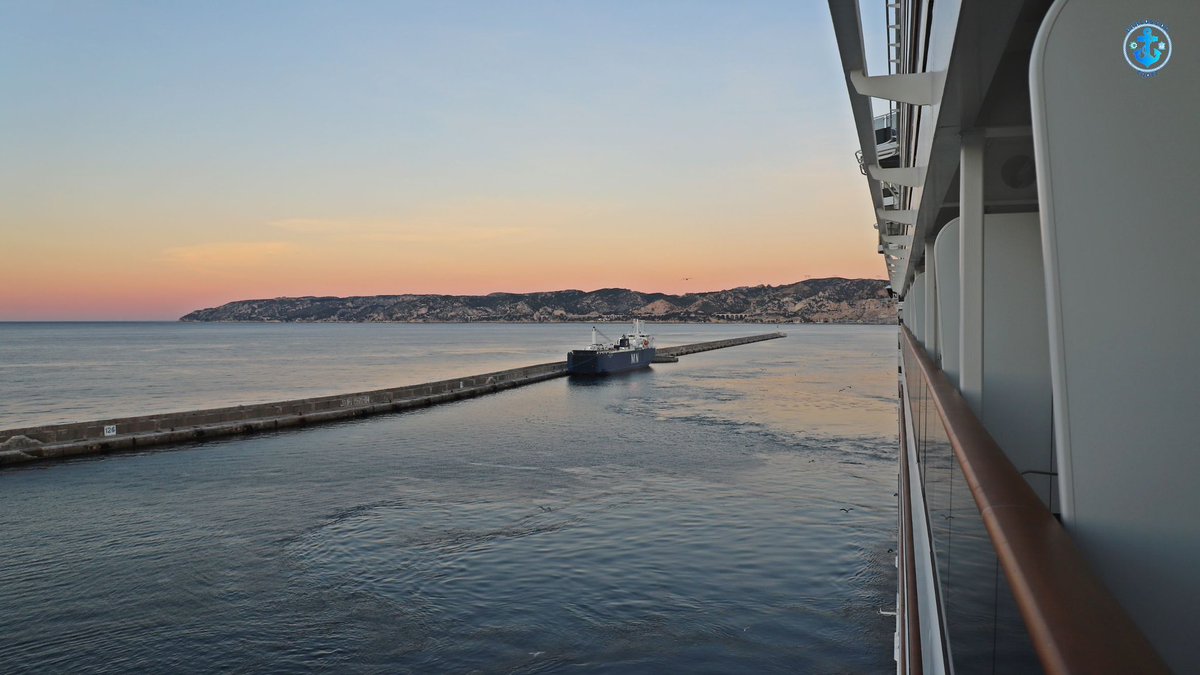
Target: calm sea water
732,512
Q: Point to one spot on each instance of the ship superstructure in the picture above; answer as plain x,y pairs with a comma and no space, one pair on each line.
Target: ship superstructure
1030,166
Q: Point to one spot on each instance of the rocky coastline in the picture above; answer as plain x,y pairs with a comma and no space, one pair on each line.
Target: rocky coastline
832,300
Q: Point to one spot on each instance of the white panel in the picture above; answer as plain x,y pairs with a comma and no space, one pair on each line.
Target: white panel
914,304
1115,161
948,283
1016,400
902,216
930,305
909,176
915,88
970,268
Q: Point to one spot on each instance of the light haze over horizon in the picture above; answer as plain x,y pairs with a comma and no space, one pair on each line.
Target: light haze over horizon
160,158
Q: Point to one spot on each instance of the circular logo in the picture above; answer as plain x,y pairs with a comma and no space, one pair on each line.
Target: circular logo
1147,47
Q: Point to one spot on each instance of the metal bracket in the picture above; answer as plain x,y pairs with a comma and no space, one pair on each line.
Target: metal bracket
914,88
902,216
908,176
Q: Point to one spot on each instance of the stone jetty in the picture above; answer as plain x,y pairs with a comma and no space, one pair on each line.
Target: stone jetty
58,441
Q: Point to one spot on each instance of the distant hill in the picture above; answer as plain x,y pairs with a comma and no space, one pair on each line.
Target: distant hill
813,301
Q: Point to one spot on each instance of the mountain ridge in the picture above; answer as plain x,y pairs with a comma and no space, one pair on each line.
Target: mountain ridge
827,300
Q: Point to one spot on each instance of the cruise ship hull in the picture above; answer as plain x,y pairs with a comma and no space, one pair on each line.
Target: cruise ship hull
600,362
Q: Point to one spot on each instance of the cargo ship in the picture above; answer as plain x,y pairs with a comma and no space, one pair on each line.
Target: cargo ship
1030,168
632,351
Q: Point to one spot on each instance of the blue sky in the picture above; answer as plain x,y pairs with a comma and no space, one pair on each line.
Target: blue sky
138,134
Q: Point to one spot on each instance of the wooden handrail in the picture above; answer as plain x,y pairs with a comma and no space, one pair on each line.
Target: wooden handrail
1075,623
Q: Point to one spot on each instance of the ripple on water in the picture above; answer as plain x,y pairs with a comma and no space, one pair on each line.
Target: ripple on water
628,569
731,512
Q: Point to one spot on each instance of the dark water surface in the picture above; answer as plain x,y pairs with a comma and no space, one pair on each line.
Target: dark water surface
682,519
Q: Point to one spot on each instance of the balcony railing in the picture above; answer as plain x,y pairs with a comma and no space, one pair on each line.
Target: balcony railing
887,143
1048,602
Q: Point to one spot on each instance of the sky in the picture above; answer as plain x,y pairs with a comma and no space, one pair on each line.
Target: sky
161,157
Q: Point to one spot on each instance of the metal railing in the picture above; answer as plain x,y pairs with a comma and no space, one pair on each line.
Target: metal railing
891,11
1073,621
887,140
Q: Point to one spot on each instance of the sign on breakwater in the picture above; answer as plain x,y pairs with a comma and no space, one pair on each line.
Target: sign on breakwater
57,441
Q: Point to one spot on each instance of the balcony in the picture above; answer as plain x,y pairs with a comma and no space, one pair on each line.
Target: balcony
969,515
887,143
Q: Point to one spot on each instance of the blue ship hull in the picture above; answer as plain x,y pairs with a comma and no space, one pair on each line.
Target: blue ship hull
588,362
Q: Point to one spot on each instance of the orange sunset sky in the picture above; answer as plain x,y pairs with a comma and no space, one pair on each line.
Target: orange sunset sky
160,159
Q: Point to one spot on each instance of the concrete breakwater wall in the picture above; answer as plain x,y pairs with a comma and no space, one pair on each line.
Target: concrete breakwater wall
697,347
54,441
82,438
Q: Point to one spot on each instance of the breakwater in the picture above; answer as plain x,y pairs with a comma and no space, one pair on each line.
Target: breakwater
697,347
56,441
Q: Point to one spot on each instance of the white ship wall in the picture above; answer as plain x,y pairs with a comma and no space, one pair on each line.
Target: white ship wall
949,297
1015,400
1116,157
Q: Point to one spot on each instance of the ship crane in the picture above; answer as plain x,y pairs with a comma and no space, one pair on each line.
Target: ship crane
596,333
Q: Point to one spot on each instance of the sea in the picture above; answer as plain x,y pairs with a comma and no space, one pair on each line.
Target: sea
729,513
